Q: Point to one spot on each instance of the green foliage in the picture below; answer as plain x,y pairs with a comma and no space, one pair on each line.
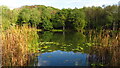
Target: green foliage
35,17
24,16
60,18
9,17
47,25
101,18
79,19
6,17
70,18
48,18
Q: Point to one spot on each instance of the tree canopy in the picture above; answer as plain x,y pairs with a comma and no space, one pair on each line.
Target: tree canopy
47,18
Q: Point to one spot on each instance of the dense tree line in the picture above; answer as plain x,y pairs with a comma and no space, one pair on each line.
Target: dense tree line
102,18
48,18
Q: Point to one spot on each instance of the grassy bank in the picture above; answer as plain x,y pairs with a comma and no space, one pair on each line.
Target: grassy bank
18,43
57,30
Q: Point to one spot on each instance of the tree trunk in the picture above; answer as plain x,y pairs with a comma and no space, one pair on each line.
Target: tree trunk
113,25
63,28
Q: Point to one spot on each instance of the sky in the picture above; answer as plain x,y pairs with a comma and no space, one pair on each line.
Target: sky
58,3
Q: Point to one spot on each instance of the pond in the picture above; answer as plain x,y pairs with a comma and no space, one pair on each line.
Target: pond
77,49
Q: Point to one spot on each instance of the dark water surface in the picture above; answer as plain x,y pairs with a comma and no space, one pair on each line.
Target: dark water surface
75,49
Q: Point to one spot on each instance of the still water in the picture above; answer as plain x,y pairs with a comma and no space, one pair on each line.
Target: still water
75,49
62,58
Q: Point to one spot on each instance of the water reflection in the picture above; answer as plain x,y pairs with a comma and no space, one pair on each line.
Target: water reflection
71,41
62,58
92,48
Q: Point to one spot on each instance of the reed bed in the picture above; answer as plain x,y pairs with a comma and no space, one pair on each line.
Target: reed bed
107,56
106,49
17,44
104,38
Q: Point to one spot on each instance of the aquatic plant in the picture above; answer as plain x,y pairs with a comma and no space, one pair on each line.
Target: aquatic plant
17,44
106,50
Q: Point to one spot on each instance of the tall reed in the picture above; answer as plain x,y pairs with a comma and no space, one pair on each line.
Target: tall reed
18,42
106,49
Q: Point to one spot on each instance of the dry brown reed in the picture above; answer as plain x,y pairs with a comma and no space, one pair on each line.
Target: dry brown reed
108,56
15,45
107,50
